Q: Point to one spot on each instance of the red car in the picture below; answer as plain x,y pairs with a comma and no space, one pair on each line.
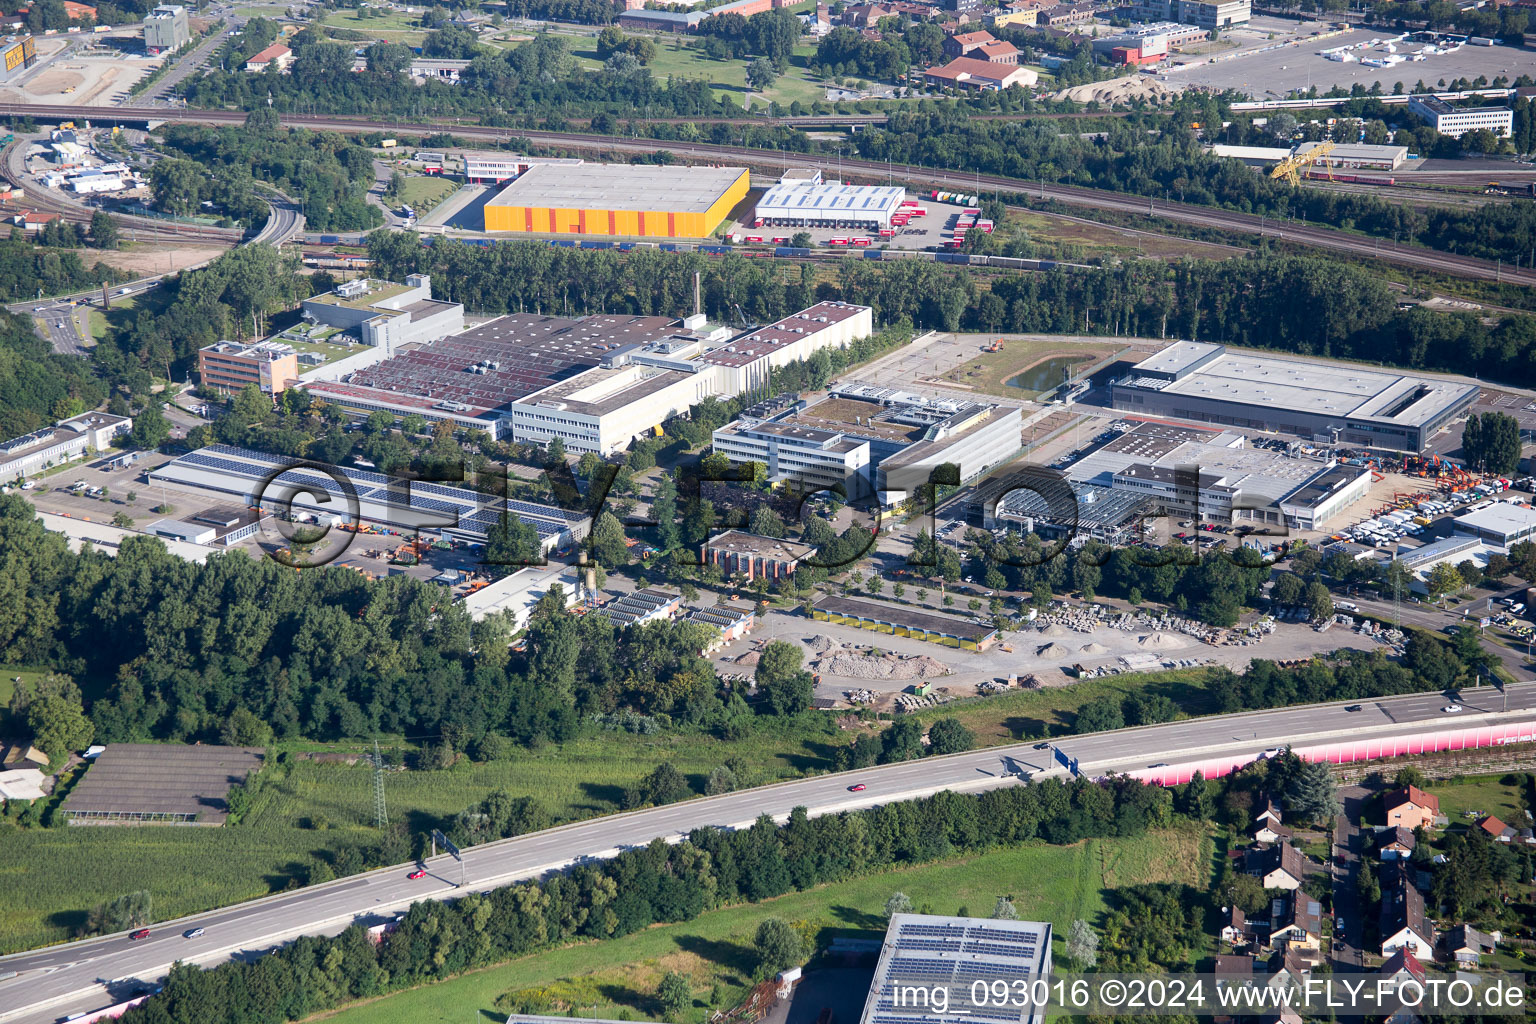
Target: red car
856,789
418,873
142,933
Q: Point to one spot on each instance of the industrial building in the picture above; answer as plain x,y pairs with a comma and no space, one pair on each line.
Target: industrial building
868,438
1419,562
66,440
1499,525
520,592
970,73
166,29
945,958
20,53
904,620
1325,495
660,21
222,525
1457,121
618,199
595,382
1203,382
755,556
797,204
229,366
338,494
640,607
1358,156
387,315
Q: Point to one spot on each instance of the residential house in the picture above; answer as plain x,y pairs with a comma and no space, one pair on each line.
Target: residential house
1267,831
1395,843
1066,14
1012,14
866,15
1296,923
960,45
1285,1015
22,756
1496,829
1466,945
1235,928
1411,808
999,52
1403,923
1287,970
276,56
1278,867
1232,972
818,23
1400,967
1268,811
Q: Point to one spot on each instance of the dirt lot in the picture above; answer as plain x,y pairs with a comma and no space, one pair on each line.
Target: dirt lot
147,258
90,80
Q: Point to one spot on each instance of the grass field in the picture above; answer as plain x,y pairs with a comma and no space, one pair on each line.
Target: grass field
993,371
394,28
617,979
424,191
675,59
8,676
1484,794
194,869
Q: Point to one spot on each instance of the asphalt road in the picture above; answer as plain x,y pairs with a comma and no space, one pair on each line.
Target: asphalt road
55,981
200,56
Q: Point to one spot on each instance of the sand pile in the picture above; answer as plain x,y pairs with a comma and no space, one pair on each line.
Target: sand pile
750,658
864,666
1055,629
1093,648
820,644
1119,90
1054,651
1161,641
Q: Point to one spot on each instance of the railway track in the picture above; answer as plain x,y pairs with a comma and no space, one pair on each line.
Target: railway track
1329,239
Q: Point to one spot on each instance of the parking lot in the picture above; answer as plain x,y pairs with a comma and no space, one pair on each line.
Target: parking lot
1266,68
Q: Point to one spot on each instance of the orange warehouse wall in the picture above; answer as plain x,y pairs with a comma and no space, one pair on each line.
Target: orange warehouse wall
644,224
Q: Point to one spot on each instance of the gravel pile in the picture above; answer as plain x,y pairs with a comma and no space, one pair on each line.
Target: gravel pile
1162,641
864,666
1054,651
1094,648
819,643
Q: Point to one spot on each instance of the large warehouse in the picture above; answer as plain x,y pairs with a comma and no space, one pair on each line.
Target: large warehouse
618,199
800,204
1331,402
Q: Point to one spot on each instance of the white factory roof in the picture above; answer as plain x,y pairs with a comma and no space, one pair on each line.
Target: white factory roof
830,198
1177,356
619,187
1500,517
1357,151
1269,153
1323,389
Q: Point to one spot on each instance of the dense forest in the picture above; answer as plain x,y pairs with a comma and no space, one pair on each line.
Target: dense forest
37,386
27,269
327,172
1298,304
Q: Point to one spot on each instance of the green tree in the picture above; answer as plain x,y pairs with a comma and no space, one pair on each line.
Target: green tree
761,74
59,727
150,428
950,736
776,947
606,541
1004,910
122,520
766,522
1443,579
786,688
1083,945
1491,443
1099,715
1319,602
899,903
664,512
104,230
674,996
1311,794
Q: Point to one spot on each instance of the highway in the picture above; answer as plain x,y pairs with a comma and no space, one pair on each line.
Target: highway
1300,233
56,981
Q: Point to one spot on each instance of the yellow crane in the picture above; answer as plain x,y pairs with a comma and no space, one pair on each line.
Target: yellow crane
1290,167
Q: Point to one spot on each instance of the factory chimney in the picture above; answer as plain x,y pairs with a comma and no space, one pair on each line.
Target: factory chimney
697,309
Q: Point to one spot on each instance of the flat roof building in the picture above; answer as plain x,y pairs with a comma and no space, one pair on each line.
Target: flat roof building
832,204
618,199
1358,156
386,314
159,783
928,953
754,555
904,620
1457,121
19,53
1215,14
229,366
165,28
520,592
432,509
1500,525
1325,495
63,442
1322,401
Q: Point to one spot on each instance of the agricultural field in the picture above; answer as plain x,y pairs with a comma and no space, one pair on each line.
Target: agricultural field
616,980
304,809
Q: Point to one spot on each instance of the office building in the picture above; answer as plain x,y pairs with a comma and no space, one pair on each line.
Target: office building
66,440
229,366
1327,402
1207,15
1457,121
618,199
1324,496
928,953
20,53
387,315
165,29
